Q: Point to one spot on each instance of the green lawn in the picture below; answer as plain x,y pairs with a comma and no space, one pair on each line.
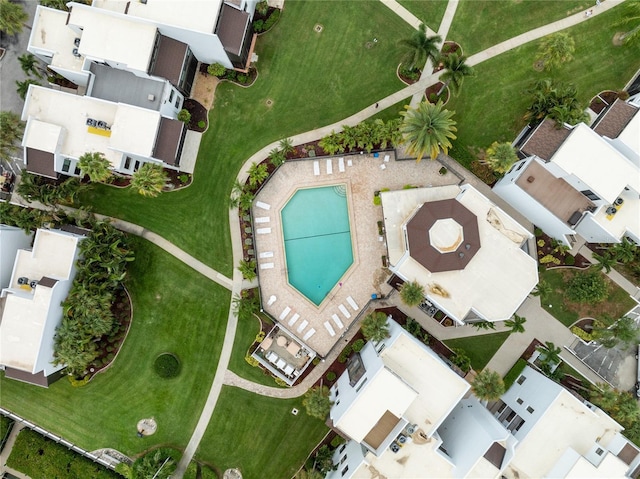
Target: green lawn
480,349
480,24
616,305
429,11
313,79
181,312
491,104
259,435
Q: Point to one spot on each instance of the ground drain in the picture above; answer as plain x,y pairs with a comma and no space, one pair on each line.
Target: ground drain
318,28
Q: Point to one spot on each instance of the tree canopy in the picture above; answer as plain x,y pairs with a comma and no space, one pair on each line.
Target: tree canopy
427,130
488,385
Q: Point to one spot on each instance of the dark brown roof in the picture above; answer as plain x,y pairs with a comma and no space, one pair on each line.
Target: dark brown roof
169,141
420,247
381,430
628,453
495,454
545,140
613,120
232,26
38,379
168,63
41,163
47,282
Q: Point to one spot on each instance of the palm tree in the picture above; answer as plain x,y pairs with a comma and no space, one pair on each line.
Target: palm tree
277,157
96,166
428,129
149,180
11,130
349,136
331,143
317,403
516,323
542,289
12,17
500,157
248,269
550,352
624,252
412,293
257,174
246,305
30,64
419,48
309,474
488,385
555,50
286,146
455,70
23,87
483,325
604,261
631,16
375,327
624,331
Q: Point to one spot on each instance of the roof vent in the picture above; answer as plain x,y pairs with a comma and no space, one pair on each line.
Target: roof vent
530,179
151,97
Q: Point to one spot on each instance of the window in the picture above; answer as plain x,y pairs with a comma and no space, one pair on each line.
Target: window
66,164
344,471
530,409
520,166
599,451
127,163
519,401
171,95
521,379
344,458
77,170
342,448
137,165
361,384
178,103
590,194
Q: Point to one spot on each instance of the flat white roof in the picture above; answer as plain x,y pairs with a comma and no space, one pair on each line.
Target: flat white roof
495,281
627,218
26,312
610,467
115,38
50,33
197,15
630,136
596,163
133,129
42,136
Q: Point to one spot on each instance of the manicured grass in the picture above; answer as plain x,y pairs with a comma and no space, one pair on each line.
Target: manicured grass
429,11
175,309
41,458
245,335
259,435
480,349
313,79
480,24
514,372
615,306
393,111
491,105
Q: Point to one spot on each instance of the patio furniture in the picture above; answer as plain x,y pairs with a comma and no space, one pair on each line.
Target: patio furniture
352,303
272,299
329,166
383,166
264,206
266,254
386,158
263,231
281,363
329,328
281,341
316,168
263,219
303,325
310,333
284,313
266,343
336,320
293,348
341,165
344,311
349,162
293,319
266,265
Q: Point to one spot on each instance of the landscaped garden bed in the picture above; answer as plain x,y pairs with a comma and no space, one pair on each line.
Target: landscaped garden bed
433,95
552,253
198,120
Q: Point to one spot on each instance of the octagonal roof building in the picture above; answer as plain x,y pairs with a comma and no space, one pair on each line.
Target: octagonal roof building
469,255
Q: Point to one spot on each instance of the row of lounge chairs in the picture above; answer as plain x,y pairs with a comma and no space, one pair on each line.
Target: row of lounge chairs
329,167
345,312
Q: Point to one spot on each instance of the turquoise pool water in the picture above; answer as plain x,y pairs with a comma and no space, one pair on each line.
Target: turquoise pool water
317,240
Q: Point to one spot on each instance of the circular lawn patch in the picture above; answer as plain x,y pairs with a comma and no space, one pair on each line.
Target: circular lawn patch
167,365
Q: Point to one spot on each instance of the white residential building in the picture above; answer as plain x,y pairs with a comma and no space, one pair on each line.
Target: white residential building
40,282
12,239
581,180
469,255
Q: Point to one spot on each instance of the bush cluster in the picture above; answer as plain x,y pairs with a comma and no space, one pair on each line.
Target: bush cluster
365,135
167,365
588,287
261,26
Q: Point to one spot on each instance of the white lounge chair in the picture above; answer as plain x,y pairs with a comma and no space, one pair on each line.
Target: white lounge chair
303,325
329,167
293,319
266,265
316,168
266,254
272,299
263,219
336,320
352,303
264,206
310,333
341,165
383,166
263,231
344,311
349,162
327,325
284,314
386,158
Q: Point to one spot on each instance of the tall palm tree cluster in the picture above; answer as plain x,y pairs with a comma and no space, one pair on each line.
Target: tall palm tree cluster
556,100
365,135
26,219
11,129
38,188
87,315
418,48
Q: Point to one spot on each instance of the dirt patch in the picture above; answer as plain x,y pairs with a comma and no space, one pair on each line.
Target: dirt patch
204,89
199,120
433,95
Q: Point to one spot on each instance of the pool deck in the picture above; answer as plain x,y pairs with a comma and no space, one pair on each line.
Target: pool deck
367,274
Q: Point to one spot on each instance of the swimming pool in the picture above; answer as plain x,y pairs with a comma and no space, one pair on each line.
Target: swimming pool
317,240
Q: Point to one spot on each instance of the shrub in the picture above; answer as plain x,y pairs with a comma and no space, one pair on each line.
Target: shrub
336,441
376,199
201,124
184,116
183,178
167,365
77,383
549,259
260,337
230,74
461,360
540,242
344,355
216,70
537,231
358,344
330,376
413,327
262,7
258,26
315,361
442,171
251,360
588,287
271,21
569,260
582,334
244,79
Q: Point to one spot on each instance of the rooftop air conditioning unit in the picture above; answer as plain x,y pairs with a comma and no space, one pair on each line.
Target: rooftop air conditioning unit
394,447
91,122
151,97
23,280
33,284
411,428
401,439
612,210
618,201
